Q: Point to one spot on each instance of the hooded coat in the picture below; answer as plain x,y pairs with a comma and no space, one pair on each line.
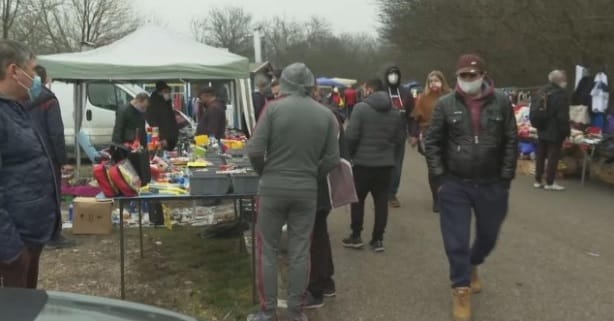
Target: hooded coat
375,132
161,114
295,141
406,103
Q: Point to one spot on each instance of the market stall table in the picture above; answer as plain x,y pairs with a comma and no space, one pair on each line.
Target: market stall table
236,198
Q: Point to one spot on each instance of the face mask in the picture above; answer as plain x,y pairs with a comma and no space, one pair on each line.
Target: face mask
393,79
470,87
35,89
563,85
436,86
166,96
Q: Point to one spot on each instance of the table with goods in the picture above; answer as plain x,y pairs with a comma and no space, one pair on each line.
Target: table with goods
199,170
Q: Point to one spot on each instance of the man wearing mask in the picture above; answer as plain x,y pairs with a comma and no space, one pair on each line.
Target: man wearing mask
373,137
47,118
161,114
213,121
471,149
403,101
555,129
289,166
29,199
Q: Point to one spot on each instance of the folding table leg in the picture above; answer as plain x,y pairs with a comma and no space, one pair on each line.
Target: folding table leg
253,236
141,226
121,250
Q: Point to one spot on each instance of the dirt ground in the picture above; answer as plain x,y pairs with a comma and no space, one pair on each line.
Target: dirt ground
204,278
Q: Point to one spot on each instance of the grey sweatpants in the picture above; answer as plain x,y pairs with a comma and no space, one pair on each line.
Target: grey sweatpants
299,215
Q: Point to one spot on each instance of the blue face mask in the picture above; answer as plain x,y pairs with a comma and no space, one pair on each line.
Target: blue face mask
36,88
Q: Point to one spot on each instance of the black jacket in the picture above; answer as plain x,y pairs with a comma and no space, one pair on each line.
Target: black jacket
375,132
129,122
452,150
410,127
29,199
213,121
161,114
47,117
557,127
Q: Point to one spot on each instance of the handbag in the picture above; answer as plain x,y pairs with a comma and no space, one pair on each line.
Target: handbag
341,187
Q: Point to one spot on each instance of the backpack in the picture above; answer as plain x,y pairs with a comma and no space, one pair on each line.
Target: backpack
538,114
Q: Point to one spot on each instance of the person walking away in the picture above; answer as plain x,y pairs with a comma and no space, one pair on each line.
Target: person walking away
373,136
403,101
554,130
321,283
436,87
47,119
29,198
213,122
471,150
161,114
258,96
289,166
351,98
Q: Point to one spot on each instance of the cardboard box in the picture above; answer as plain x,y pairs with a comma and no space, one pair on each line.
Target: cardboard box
92,216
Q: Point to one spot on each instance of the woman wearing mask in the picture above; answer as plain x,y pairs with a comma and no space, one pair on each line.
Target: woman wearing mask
436,86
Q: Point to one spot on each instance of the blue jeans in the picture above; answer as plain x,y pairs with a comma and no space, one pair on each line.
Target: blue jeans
397,171
457,199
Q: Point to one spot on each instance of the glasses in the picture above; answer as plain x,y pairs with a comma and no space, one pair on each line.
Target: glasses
468,75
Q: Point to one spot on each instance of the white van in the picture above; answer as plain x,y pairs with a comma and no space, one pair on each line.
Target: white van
103,100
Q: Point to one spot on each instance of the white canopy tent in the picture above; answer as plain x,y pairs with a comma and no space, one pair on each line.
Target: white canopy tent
152,53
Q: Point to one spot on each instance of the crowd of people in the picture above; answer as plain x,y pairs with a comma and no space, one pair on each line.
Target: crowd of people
467,134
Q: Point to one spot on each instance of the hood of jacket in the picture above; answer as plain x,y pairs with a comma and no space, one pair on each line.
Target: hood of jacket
379,101
297,79
388,69
44,96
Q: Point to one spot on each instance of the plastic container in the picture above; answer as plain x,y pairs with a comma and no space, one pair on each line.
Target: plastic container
245,184
209,183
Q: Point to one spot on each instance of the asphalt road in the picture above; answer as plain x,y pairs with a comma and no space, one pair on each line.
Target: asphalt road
554,260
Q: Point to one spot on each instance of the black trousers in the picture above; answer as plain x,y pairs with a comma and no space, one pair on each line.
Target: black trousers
552,152
322,268
374,180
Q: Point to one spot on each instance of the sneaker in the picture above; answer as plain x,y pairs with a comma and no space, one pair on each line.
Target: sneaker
538,185
262,316
554,187
60,242
329,293
353,241
312,302
377,246
394,202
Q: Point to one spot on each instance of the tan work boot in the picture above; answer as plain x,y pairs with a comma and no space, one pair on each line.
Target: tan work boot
476,284
394,202
461,301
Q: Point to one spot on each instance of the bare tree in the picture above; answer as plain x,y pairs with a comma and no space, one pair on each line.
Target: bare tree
9,10
227,27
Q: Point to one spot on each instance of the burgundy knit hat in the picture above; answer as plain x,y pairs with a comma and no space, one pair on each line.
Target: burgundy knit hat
470,63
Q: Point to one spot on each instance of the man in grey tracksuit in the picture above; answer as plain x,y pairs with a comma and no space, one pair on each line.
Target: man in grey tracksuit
294,144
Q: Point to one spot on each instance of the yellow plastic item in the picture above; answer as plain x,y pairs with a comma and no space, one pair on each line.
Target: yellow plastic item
202,140
199,163
199,151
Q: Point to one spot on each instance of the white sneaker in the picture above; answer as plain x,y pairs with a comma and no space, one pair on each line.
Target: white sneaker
538,185
554,187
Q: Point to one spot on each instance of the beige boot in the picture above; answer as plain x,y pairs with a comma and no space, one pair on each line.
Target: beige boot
461,301
476,284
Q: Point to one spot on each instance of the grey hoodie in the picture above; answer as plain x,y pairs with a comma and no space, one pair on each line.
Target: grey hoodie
295,141
375,131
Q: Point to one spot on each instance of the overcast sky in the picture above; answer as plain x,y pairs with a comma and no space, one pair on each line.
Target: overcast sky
344,15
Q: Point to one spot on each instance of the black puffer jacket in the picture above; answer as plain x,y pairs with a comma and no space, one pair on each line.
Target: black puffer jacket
375,132
129,122
557,124
29,200
452,149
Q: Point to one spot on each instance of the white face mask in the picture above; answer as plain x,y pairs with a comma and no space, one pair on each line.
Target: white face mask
393,78
563,84
470,87
166,96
